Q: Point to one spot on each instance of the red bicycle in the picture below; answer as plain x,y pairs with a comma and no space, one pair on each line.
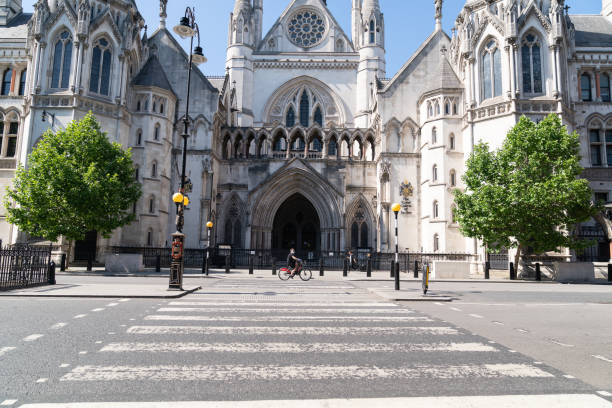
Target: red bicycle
304,272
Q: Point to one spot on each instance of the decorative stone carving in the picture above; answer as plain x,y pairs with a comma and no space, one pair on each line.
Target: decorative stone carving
406,192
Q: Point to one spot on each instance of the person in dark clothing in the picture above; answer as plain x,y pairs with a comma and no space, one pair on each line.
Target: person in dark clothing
293,262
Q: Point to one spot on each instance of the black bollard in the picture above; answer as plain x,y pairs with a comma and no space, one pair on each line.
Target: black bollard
63,263
204,262
397,275
273,266
416,269
251,261
512,273
227,264
51,277
609,272
345,268
369,268
487,270
321,267
538,272
90,262
392,274
158,263
208,256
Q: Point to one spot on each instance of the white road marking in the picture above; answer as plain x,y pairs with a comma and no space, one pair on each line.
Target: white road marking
301,372
522,330
476,316
98,342
561,344
511,351
112,304
295,347
498,323
65,365
111,333
82,352
4,350
293,318
292,304
8,403
499,401
42,380
124,300
455,309
602,358
538,363
302,311
604,393
33,337
569,377
99,309
438,303
290,331
58,326
80,316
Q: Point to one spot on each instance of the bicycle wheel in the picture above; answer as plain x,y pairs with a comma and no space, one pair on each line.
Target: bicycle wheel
284,274
305,274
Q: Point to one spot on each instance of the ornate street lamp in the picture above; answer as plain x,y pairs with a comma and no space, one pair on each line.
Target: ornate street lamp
187,28
396,209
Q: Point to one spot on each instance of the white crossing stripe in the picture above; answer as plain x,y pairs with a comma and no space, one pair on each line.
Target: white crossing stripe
280,286
295,347
4,350
297,372
33,337
476,316
302,310
57,326
79,316
99,309
112,304
285,304
8,403
498,401
602,358
604,393
42,380
295,318
290,331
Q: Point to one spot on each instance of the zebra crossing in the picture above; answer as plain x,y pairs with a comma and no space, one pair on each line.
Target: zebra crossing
299,342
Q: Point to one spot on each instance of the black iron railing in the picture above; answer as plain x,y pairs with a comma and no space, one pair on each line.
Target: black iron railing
24,266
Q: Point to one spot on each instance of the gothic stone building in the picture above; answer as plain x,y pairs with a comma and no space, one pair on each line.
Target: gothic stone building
307,140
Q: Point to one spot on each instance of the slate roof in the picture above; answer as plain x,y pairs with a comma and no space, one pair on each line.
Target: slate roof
592,30
446,76
152,74
17,28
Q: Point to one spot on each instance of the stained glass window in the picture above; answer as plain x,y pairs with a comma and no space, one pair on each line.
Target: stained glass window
491,71
6,81
290,118
486,67
22,81
604,84
526,58
531,56
497,72
306,28
372,33
62,59
332,149
304,109
318,116
585,86
595,138
99,81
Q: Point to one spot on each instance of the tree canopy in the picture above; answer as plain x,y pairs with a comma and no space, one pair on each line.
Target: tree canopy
76,181
528,194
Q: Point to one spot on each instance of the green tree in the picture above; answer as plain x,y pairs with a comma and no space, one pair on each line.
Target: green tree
75,181
528,193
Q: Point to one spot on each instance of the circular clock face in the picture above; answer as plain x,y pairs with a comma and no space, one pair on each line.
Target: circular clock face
306,28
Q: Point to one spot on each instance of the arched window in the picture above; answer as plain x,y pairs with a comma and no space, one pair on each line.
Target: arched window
454,108
491,71
280,144
434,136
152,205
318,116
304,109
22,82
453,178
436,243
13,131
150,237
436,210
154,170
156,132
354,235
298,143
447,110
437,108
99,81
332,147
532,64
452,142
226,153
146,107
154,107
585,87
596,146
138,106
429,110
139,137
604,86
290,118
6,81
434,173
62,59
161,108
372,32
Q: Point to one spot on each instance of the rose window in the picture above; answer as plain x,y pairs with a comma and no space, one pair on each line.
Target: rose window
306,28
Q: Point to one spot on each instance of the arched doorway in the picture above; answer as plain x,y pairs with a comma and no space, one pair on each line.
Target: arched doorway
296,225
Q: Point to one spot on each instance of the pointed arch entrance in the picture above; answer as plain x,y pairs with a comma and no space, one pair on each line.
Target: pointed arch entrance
296,225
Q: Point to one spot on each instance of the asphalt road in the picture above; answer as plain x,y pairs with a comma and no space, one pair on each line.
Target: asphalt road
262,339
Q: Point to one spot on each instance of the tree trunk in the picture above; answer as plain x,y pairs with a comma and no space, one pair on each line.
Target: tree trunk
68,253
517,259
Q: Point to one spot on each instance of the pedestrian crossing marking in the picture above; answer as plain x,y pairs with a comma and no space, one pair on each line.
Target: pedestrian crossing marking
498,401
293,318
319,331
302,310
297,372
286,304
295,347
4,350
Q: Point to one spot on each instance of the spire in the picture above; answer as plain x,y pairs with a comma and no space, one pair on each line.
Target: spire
438,4
241,5
370,6
162,14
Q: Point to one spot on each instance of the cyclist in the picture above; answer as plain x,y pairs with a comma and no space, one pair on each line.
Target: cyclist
293,262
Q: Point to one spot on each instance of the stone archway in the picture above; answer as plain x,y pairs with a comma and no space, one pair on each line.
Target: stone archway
297,178
296,225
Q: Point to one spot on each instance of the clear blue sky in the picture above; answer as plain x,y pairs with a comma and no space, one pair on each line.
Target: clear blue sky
408,23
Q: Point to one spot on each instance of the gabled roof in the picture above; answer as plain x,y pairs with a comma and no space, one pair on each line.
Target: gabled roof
152,74
17,28
592,30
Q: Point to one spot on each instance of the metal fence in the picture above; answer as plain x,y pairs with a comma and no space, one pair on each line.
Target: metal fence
262,259
23,266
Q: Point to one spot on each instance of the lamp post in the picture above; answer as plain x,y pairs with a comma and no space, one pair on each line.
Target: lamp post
396,209
187,28
209,226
